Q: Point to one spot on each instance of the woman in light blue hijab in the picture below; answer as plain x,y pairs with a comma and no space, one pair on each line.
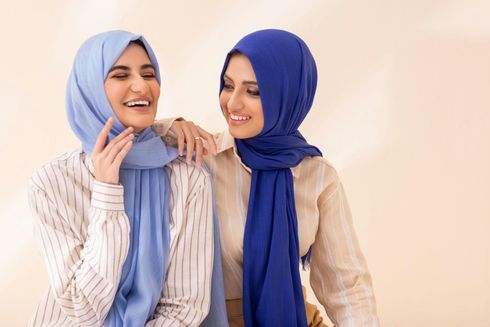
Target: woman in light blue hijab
109,261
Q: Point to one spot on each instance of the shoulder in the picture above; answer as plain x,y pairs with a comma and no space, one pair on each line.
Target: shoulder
320,168
63,167
318,173
185,175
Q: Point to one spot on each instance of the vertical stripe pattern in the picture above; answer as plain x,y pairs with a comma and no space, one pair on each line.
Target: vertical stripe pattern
83,235
339,275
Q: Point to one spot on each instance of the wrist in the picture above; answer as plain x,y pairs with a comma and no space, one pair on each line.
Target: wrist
107,196
107,181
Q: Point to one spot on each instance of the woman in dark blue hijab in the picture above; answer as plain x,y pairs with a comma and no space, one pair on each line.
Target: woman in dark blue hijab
279,202
286,77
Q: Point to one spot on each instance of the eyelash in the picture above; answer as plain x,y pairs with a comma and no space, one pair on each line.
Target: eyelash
251,92
124,76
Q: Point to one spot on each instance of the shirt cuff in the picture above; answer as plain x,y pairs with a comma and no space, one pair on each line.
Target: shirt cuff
162,127
108,196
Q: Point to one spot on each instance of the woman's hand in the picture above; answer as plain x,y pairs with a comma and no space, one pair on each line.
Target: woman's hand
107,159
193,136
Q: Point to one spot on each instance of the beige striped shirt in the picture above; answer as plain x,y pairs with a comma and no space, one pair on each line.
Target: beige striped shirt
83,234
339,275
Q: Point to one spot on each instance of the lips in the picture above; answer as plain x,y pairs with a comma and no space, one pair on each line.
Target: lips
140,104
240,119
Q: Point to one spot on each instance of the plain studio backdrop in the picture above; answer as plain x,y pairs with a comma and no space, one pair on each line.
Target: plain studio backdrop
402,111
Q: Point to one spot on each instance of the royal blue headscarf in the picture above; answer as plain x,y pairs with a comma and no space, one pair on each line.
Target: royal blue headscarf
286,76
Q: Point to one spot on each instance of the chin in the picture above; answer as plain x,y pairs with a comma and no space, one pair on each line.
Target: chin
140,124
241,134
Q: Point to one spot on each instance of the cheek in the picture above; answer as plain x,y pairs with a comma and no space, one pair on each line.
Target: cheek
113,92
223,100
155,90
259,114
257,109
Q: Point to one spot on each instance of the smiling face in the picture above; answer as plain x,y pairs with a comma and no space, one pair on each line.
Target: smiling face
240,99
132,88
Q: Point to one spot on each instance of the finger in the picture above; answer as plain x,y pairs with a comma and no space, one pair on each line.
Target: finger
190,142
117,139
116,148
199,151
199,145
209,139
180,141
102,137
122,154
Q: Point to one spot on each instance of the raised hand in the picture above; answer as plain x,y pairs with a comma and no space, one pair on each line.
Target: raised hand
107,159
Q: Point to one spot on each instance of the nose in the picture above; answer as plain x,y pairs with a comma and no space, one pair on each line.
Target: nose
139,85
235,101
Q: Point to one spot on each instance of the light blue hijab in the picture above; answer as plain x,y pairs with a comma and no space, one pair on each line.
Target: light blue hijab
146,190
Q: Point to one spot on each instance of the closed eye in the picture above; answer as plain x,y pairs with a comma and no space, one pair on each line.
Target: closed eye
149,76
120,76
253,92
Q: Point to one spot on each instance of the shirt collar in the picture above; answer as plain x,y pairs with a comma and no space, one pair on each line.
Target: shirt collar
226,142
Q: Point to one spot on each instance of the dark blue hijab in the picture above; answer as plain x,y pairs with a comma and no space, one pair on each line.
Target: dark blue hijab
286,77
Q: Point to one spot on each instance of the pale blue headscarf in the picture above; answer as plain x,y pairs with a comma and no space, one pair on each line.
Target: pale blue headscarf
146,190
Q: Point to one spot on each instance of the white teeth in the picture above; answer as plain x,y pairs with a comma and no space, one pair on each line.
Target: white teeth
136,103
235,117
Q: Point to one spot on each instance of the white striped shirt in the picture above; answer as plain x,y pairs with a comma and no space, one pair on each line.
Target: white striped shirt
83,234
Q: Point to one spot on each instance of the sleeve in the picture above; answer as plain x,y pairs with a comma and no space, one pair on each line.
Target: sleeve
339,275
186,295
162,128
84,274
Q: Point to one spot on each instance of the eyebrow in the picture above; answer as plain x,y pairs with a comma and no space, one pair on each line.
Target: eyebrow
244,82
126,68
121,67
145,66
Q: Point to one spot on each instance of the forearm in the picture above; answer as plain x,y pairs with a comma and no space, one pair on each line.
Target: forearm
84,273
339,273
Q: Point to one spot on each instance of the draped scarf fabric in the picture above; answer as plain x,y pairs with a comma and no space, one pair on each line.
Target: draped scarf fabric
146,190
286,77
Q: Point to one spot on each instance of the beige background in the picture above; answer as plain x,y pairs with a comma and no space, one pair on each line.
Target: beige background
402,110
